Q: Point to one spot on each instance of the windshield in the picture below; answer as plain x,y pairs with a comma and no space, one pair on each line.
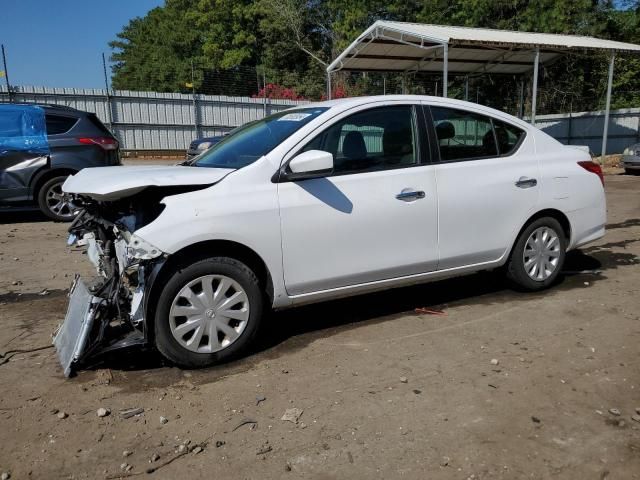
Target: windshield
253,140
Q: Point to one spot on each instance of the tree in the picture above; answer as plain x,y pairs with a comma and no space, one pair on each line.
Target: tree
233,43
155,52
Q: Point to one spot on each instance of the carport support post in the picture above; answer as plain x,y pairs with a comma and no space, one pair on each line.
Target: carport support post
328,84
466,88
445,70
534,90
607,108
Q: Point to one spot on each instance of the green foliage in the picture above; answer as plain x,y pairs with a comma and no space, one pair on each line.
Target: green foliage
291,41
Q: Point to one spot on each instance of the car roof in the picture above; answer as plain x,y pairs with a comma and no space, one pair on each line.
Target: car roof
50,106
346,103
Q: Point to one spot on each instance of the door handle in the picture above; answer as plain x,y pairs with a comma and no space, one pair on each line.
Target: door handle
526,182
410,195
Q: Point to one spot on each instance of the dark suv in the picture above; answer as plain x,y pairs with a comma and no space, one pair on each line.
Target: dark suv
69,140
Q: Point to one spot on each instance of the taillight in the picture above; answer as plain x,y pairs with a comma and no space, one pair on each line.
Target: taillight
593,167
107,143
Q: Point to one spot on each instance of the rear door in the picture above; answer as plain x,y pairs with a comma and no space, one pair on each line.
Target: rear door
375,217
487,177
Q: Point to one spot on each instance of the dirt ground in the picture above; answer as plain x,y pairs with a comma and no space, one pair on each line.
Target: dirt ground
384,392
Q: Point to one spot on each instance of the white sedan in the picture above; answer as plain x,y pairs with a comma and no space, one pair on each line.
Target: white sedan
321,201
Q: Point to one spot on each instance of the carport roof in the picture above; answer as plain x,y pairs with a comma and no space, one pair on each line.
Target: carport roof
400,46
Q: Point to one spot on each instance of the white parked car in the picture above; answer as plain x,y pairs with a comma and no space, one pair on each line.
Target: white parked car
320,201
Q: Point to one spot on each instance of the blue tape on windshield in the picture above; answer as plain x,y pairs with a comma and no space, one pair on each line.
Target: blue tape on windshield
23,128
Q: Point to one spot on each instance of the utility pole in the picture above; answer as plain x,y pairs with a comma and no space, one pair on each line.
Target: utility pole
108,95
6,74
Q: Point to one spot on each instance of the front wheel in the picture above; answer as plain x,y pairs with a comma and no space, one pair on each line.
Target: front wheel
208,312
538,255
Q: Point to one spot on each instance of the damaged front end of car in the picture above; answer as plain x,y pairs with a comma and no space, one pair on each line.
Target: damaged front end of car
107,313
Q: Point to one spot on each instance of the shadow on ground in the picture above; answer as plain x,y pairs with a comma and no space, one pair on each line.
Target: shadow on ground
22,216
294,329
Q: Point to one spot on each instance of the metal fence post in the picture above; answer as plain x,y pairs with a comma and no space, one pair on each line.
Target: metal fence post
521,99
264,93
195,101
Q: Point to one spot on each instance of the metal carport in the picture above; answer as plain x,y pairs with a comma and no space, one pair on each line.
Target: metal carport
414,47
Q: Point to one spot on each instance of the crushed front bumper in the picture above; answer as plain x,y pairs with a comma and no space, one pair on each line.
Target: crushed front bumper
71,340
107,313
90,329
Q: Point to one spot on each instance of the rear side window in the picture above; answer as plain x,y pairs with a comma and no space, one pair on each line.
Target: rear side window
463,135
95,121
467,136
507,136
57,124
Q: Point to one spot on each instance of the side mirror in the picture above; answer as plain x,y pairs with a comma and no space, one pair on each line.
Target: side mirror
311,164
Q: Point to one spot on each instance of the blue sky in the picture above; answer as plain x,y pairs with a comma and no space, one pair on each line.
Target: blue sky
58,43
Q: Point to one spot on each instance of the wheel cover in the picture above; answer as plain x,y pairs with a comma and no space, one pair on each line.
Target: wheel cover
59,203
541,253
209,313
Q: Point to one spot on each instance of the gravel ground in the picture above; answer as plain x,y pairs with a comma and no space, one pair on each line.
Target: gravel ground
505,385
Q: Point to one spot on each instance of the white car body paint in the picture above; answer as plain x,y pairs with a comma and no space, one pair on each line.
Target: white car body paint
341,235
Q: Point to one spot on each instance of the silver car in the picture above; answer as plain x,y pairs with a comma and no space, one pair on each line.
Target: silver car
631,159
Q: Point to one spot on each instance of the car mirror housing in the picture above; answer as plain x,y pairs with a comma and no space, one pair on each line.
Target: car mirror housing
311,164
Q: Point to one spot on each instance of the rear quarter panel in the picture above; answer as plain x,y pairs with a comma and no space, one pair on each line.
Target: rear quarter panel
569,188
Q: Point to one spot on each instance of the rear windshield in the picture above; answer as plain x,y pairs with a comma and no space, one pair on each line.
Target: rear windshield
254,140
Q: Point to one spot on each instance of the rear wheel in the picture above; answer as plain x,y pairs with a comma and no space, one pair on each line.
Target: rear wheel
208,312
54,203
538,255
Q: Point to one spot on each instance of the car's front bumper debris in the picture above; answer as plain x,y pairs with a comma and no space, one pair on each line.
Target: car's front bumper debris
72,338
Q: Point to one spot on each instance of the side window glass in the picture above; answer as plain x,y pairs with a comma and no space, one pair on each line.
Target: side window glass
376,139
508,136
463,135
57,124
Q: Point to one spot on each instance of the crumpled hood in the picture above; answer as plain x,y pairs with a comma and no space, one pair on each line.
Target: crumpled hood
112,183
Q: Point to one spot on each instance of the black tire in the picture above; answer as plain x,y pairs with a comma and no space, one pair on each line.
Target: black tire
631,171
167,344
516,272
46,204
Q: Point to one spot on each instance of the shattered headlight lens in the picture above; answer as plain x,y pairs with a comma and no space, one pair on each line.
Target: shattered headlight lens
142,250
203,146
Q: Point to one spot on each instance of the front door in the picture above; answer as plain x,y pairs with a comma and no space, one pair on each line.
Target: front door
375,217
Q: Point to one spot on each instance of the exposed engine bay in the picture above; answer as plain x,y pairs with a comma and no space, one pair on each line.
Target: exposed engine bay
107,313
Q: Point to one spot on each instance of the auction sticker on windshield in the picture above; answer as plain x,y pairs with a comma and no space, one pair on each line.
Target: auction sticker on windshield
294,117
